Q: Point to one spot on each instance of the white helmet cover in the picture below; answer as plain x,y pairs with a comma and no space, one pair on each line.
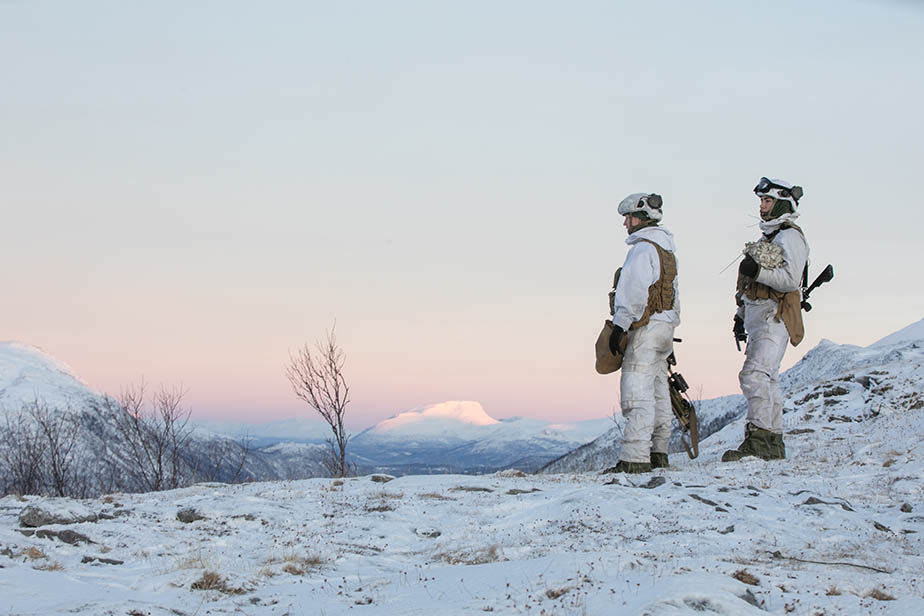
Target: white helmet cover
780,190
642,203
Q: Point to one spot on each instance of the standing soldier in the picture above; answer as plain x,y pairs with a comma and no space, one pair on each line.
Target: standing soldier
646,309
769,315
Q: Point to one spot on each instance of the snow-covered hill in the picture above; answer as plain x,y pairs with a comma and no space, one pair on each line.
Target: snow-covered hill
28,374
81,444
836,528
826,363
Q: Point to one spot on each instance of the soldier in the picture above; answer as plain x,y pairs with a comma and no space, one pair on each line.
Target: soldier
646,311
769,315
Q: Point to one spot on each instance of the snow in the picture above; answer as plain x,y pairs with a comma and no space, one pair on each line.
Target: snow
444,419
915,331
836,528
28,374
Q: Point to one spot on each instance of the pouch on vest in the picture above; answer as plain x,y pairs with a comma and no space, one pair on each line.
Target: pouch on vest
608,363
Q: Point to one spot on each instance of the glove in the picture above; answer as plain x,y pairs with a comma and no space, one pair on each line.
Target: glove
738,329
616,340
748,267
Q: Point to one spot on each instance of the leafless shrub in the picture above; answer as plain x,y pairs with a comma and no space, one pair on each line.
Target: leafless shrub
435,496
33,553
156,437
55,566
59,430
316,376
222,459
879,594
21,458
555,593
40,456
833,591
473,557
210,580
742,575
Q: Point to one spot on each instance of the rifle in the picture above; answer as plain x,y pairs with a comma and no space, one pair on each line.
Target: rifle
825,276
683,408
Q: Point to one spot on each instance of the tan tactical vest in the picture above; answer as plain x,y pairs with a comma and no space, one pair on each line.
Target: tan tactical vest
661,291
789,305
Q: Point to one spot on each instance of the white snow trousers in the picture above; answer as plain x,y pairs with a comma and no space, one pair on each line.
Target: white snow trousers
645,399
760,375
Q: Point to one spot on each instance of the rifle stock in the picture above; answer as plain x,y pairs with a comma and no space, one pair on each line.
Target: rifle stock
826,275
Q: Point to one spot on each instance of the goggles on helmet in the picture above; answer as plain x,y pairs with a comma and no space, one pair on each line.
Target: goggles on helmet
765,185
653,201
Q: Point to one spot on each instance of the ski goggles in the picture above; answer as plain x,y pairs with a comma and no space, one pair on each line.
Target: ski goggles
653,201
765,185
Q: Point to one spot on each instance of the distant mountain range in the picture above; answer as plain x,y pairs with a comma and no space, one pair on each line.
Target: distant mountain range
447,437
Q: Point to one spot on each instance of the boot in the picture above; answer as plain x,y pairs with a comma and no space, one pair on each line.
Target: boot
659,460
629,467
764,444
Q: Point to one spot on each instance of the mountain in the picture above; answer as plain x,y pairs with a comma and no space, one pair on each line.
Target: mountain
912,332
461,437
28,374
59,436
293,429
827,371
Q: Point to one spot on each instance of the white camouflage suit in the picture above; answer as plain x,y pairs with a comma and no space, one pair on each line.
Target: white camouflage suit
645,399
767,337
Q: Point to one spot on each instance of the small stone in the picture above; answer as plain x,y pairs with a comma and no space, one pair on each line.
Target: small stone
906,508
428,532
654,482
381,478
189,515
72,513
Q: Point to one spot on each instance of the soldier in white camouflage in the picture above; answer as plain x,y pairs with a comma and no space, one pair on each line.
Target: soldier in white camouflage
769,315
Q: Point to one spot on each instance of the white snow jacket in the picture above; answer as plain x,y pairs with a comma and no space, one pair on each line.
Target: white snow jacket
641,269
787,277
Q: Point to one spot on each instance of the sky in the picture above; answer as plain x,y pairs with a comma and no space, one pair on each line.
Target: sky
192,190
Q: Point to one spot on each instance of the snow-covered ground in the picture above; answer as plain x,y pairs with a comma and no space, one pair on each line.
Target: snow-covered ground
836,528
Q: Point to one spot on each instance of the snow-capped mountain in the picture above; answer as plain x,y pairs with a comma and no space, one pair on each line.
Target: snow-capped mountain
828,371
28,374
461,437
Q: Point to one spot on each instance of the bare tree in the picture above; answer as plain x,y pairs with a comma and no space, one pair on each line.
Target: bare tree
317,378
222,459
156,437
59,430
21,457
39,455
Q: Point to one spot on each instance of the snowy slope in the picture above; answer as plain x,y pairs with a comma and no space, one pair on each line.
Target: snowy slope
28,374
915,331
837,528
728,413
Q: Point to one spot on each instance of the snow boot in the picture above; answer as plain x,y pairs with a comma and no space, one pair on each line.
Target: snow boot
629,467
659,460
764,444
